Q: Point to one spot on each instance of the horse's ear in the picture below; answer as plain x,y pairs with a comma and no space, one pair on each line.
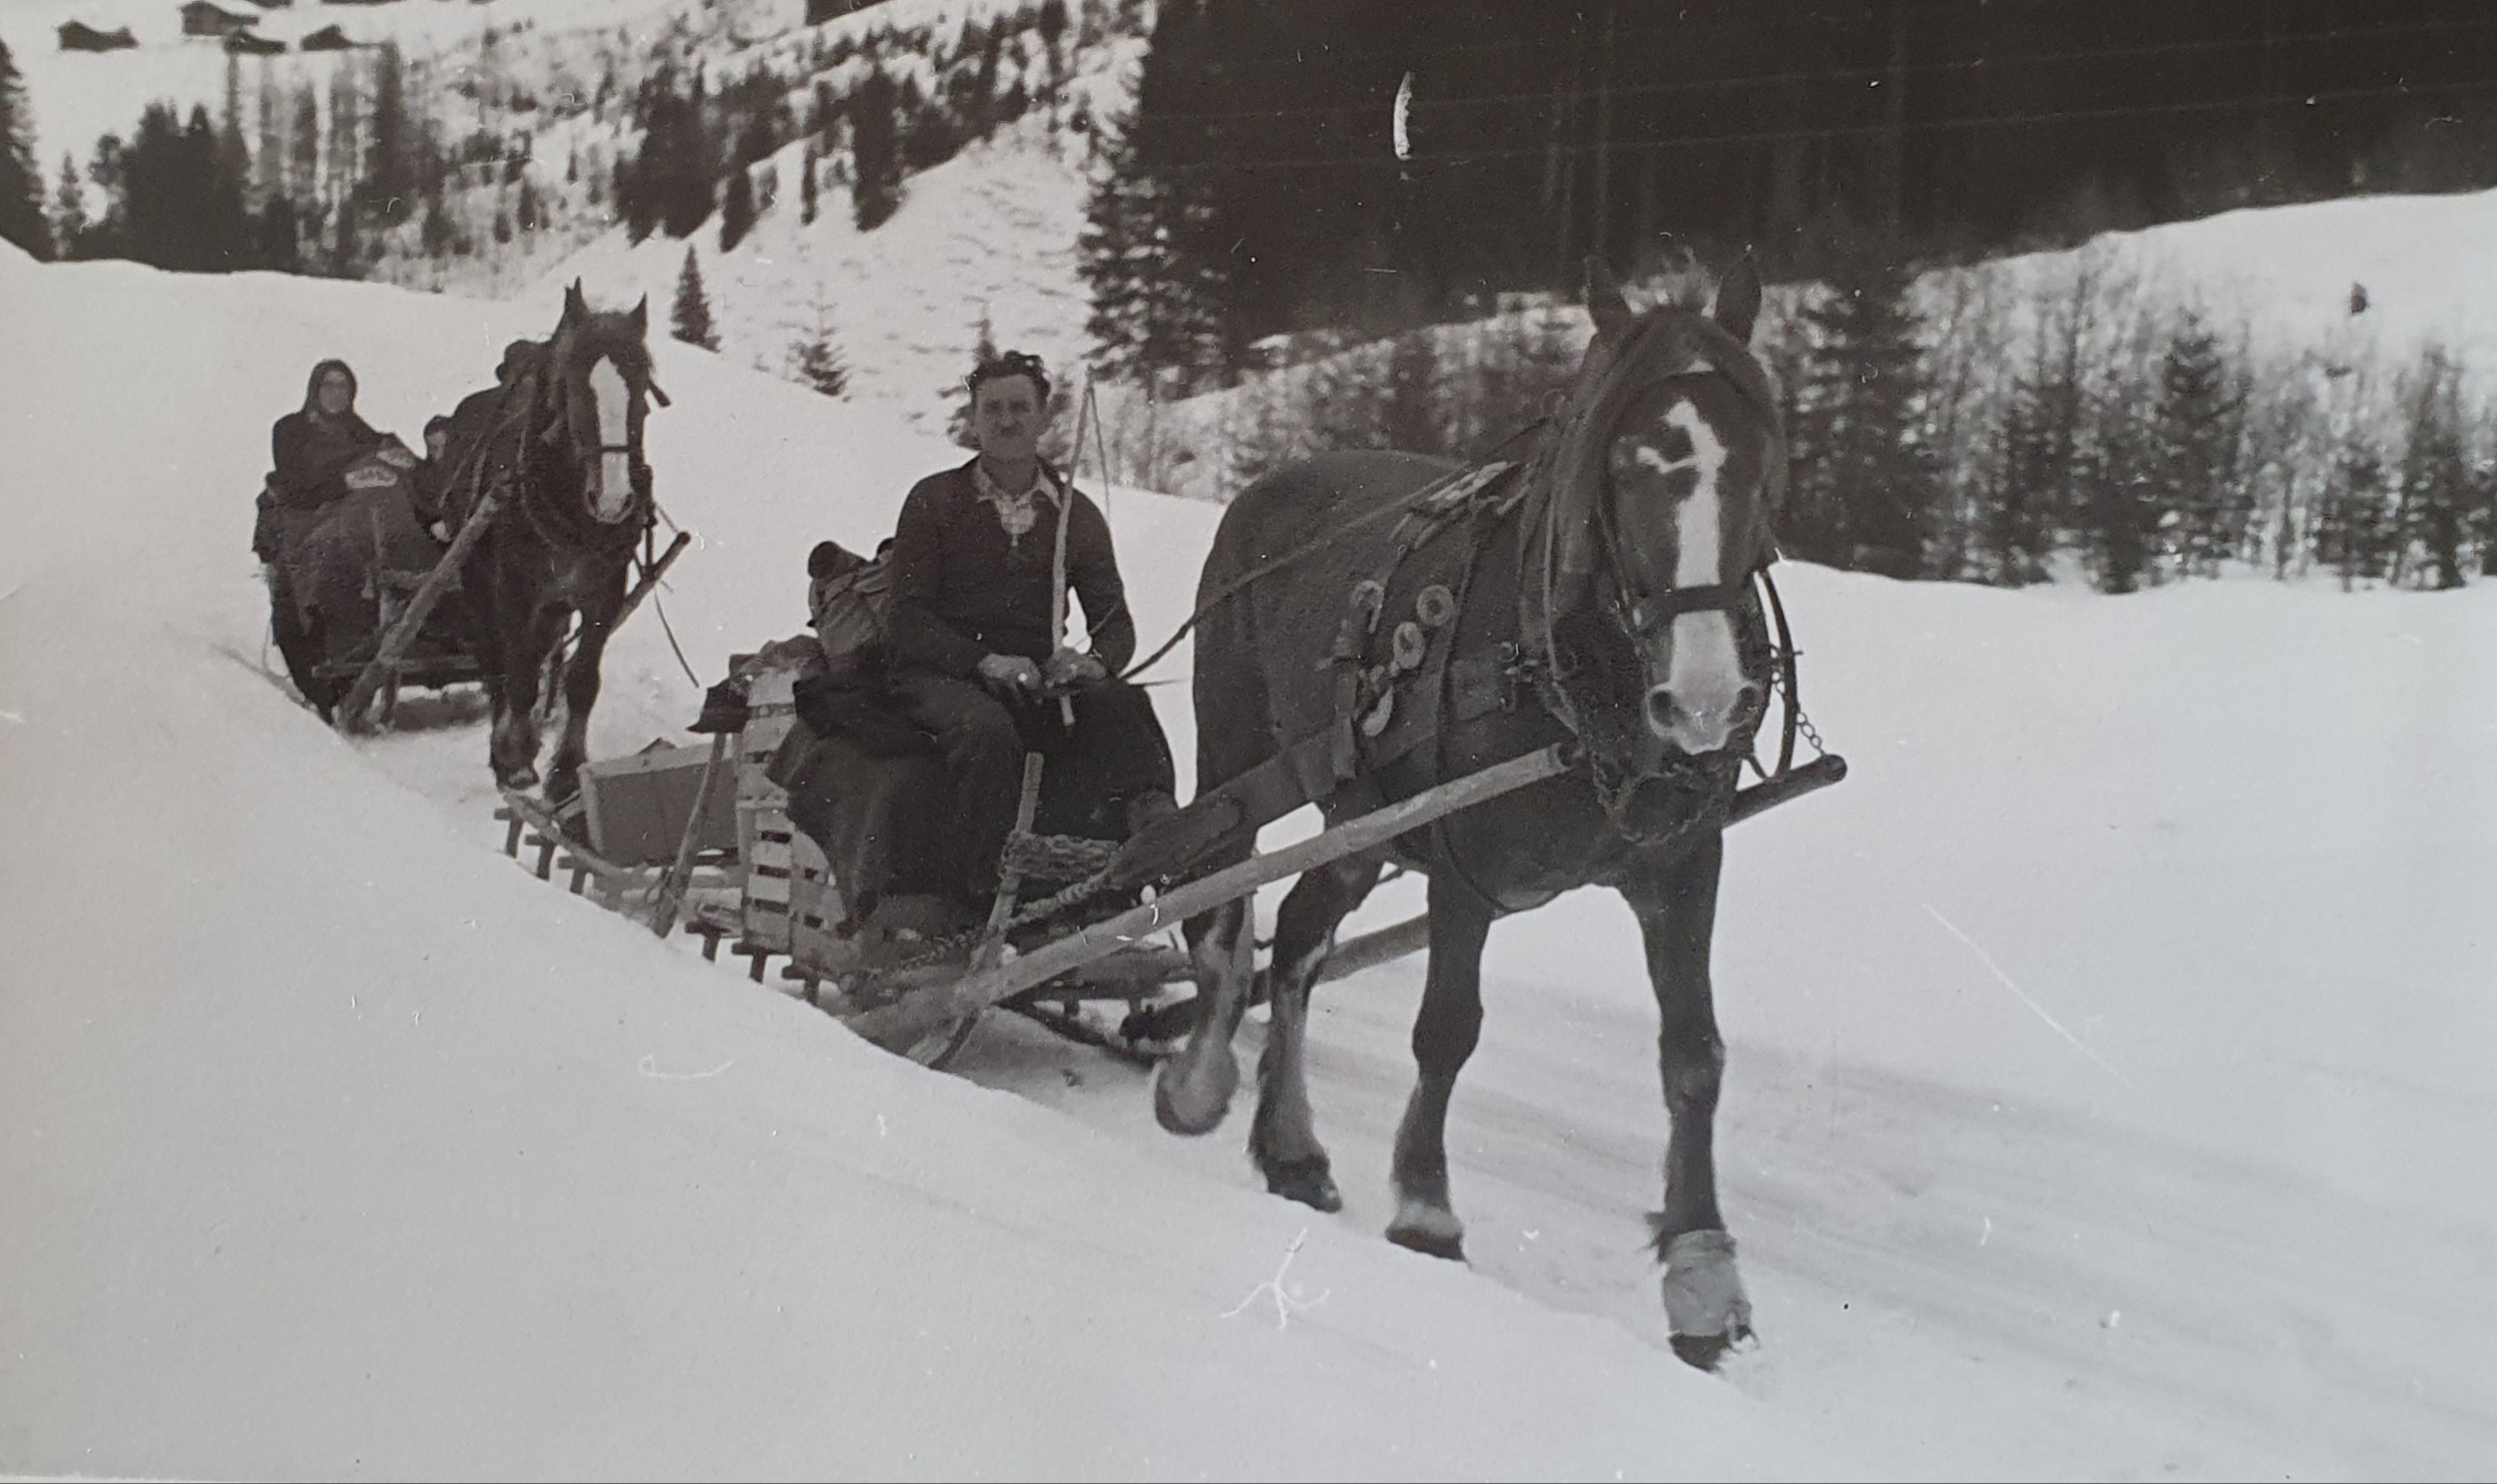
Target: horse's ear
1739,300
1605,303
574,307
641,317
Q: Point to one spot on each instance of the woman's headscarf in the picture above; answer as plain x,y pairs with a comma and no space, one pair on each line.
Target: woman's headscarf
311,388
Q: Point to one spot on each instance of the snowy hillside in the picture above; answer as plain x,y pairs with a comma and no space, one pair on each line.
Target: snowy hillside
991,232
2108,1095
75,95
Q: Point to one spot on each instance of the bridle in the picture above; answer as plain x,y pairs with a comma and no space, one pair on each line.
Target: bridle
558,430
1641,614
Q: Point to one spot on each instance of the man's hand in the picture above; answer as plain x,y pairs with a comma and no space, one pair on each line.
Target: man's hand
396,456
1010,672
1074,667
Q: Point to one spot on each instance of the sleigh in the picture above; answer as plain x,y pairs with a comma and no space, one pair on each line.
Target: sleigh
1083,925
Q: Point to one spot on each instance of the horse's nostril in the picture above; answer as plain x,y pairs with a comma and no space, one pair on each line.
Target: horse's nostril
1661,709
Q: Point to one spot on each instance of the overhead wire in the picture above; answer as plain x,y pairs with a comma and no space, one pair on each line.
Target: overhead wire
2250,45
1836,131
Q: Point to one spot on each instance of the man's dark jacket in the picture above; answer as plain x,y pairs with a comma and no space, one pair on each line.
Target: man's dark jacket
963,591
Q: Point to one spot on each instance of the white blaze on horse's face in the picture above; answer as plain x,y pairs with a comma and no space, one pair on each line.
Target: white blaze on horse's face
613,494
1702,694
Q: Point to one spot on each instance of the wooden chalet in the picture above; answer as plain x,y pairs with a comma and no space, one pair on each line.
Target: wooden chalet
81,38
326,39
252,44
199,18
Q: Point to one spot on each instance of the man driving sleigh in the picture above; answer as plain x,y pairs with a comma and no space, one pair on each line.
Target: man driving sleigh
940,662
982,556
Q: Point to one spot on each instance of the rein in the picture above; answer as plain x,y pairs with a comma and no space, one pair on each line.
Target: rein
1329,538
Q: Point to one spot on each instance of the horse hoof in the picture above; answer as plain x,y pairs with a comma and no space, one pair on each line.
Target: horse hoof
1154,1024
1432,1231
1306,1182
1703,1350
1179,1108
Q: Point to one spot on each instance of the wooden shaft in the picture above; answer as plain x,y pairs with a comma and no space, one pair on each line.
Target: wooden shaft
920,1012
650,580
1370,950
1413,935
402,634
680,878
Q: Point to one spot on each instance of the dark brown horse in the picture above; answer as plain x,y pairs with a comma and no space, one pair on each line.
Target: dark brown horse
1614,591
562,442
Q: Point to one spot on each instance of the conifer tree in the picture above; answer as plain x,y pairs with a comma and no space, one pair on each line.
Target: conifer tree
690,319
2436,472
806,187
21,182
69,225
819,362
2122,512
1157,296
737,208
983,349
1869,484
876,177
2037,454
389,152
2350,521
2197,431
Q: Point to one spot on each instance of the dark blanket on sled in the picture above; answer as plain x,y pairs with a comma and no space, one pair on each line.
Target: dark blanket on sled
334,557
868,788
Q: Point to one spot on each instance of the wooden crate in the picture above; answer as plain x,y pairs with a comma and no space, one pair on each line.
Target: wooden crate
792,903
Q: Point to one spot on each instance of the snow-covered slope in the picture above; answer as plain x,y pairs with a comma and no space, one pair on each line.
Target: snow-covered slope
2108,1092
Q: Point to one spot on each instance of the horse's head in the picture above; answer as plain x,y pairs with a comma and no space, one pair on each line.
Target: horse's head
597,382
1669,462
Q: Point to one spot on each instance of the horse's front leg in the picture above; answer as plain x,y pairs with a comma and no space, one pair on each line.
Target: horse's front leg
1444,1035
1192,1090
1283,1139
581,682
1676,905
515,745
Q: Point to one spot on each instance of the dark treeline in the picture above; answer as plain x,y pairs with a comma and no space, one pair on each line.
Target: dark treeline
1261,151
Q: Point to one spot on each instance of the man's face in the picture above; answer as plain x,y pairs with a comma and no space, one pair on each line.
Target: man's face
335,393
435,442
1006,417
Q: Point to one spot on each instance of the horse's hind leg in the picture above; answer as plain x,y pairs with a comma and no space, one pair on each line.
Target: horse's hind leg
1704,1299
1283,1139
1192,1090
1444,1035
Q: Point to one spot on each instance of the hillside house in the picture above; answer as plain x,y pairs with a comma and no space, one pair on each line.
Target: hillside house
199,18
79,38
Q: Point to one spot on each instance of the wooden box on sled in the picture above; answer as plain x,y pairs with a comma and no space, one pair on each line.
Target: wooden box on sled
638,806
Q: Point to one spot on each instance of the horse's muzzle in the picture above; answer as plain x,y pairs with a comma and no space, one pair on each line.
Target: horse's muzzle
610,487
1697,730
